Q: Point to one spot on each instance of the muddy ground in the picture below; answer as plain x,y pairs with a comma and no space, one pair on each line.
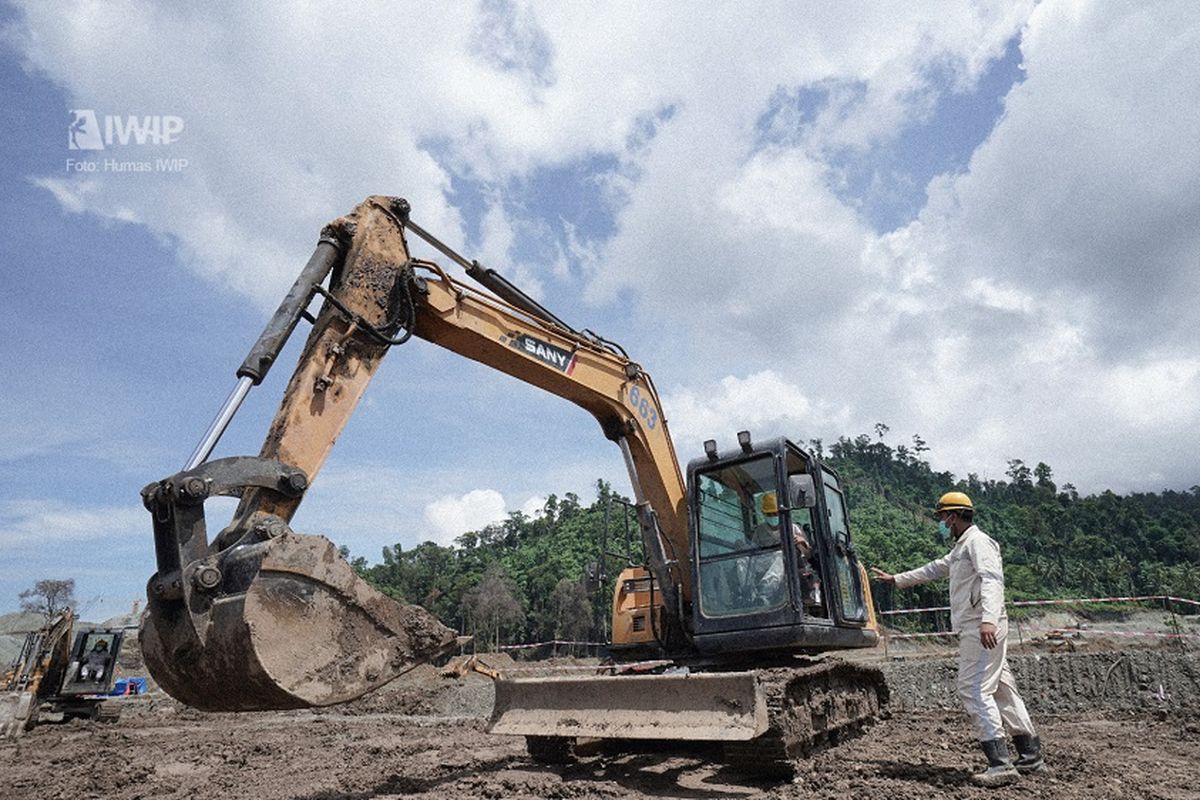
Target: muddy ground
1115,725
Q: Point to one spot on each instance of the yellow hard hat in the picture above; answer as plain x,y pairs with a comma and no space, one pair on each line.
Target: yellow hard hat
954,501
770,504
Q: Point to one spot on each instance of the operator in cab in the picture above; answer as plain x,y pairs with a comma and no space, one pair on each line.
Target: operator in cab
95,663
768,570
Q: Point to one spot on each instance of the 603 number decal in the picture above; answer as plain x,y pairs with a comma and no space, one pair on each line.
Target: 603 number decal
643,407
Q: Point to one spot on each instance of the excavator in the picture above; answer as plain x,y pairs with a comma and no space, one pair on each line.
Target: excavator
60,674
750,574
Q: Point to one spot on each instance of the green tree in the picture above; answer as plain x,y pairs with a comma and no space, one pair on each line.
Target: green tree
572,611
492,606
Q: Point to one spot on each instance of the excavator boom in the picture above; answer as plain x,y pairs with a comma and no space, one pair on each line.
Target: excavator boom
262,617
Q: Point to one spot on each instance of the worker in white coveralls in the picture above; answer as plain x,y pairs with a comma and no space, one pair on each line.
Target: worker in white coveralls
977,615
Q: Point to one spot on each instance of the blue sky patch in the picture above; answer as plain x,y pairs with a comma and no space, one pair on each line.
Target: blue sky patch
887,182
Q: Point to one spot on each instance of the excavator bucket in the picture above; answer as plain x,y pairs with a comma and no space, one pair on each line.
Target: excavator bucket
267,618
304,630
15,711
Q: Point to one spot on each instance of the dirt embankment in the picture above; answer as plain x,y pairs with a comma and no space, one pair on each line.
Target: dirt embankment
1152,682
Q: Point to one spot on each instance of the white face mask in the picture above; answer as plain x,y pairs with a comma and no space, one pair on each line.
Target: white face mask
943,530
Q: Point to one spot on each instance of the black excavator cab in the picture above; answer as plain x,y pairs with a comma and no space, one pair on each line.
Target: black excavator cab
773,563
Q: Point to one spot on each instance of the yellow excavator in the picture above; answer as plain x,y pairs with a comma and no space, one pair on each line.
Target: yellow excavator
60,674
750,570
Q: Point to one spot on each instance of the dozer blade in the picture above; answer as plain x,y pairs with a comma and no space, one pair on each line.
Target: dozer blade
286,623
708,707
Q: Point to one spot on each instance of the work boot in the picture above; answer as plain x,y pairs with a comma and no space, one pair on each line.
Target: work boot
1000,770
1029,754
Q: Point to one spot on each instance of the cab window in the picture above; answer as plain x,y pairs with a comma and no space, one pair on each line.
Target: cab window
741,561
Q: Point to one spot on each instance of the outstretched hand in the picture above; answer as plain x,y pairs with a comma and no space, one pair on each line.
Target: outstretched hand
880,575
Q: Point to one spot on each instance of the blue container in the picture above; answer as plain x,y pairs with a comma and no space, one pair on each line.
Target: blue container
124,686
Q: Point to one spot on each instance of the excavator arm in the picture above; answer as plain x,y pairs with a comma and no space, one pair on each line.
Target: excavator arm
263,617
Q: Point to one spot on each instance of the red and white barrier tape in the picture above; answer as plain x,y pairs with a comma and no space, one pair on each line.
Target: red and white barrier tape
1036,629
898,611
1090,600
558,642
920,635
1063,602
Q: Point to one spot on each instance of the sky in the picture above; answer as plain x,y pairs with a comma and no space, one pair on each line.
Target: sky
977,223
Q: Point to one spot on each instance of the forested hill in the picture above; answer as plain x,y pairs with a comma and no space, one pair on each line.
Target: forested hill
1055,543
534,579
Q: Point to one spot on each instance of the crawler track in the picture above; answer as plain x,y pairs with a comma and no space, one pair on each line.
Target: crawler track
809,708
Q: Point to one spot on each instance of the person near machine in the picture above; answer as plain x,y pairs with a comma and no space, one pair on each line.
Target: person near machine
985,682
95,663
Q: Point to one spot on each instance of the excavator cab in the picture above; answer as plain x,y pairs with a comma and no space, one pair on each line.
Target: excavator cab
771,559
773,562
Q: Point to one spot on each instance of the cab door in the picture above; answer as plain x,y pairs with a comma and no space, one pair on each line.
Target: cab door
742,570
851,600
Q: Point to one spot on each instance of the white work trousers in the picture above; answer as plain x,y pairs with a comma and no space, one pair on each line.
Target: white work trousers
987,687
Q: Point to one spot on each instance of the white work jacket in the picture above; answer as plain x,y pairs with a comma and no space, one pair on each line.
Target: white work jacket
976,580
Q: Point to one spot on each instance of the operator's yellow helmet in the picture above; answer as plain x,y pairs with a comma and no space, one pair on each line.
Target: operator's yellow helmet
953,501
770,504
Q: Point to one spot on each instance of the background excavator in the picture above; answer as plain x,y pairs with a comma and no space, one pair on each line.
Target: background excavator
749,571
58,676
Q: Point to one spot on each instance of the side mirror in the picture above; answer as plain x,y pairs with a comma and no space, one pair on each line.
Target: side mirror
802,491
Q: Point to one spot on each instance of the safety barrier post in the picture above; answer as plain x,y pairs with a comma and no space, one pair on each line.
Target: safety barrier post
1175,622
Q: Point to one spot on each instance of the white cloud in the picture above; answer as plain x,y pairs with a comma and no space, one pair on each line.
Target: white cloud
534,506
1156,394
449,516
1020,315
764,403
35,523
279,141
1040,307
1084,185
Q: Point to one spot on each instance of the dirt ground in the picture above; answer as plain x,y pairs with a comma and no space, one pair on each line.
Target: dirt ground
1128,727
